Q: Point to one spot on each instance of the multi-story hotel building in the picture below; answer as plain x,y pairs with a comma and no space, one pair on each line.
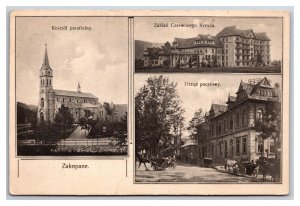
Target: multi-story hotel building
229,129
231,47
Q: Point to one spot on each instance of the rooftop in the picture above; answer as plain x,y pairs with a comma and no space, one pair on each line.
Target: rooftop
233,31
74,94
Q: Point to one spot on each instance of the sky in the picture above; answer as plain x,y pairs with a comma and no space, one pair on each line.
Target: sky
144,29
194,98
97,59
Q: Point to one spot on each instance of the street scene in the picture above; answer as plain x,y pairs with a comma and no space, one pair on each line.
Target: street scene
182,137
185,172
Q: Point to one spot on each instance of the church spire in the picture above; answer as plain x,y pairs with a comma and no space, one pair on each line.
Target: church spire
78,88
46,60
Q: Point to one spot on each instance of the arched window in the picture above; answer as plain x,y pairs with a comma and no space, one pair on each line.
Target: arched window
237,148
43,82
50,82
231,147
237,119
259,114
244,120
42,102
42,116
226,149
231,122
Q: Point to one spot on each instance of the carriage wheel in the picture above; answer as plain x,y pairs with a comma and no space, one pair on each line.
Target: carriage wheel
255,173
243,172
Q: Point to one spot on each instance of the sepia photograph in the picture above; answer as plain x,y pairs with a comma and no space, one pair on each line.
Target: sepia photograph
71,86
208,44
208,129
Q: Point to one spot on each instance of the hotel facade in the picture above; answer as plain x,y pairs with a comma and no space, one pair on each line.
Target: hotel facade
231,47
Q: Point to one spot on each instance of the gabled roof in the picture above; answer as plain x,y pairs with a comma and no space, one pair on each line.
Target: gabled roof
245,87
263,83
190,42
231,98
73,94
218,108
262,36
233,31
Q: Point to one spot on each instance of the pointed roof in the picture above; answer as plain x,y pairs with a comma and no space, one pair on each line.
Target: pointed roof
263,83
245,87
233,31
45,65
218,108
231,98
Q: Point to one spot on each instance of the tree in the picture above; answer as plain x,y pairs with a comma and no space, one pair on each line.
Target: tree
157,104
195,125
109,109
269,126
120,133
87,122
64,118
48,132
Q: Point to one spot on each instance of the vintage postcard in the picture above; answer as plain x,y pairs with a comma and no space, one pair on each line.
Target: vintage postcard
149,102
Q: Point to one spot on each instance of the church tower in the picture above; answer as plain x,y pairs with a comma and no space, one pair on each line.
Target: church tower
46,93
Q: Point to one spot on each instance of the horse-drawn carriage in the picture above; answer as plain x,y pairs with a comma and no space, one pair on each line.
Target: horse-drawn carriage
157,163
263,166
242,168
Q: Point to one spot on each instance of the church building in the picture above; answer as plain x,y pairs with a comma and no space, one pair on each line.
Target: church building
50,100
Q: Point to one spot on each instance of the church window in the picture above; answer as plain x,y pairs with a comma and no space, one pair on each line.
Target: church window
41,83
50,82
42,116
42,102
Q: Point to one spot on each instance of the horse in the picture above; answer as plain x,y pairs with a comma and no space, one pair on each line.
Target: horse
268,166
142,160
